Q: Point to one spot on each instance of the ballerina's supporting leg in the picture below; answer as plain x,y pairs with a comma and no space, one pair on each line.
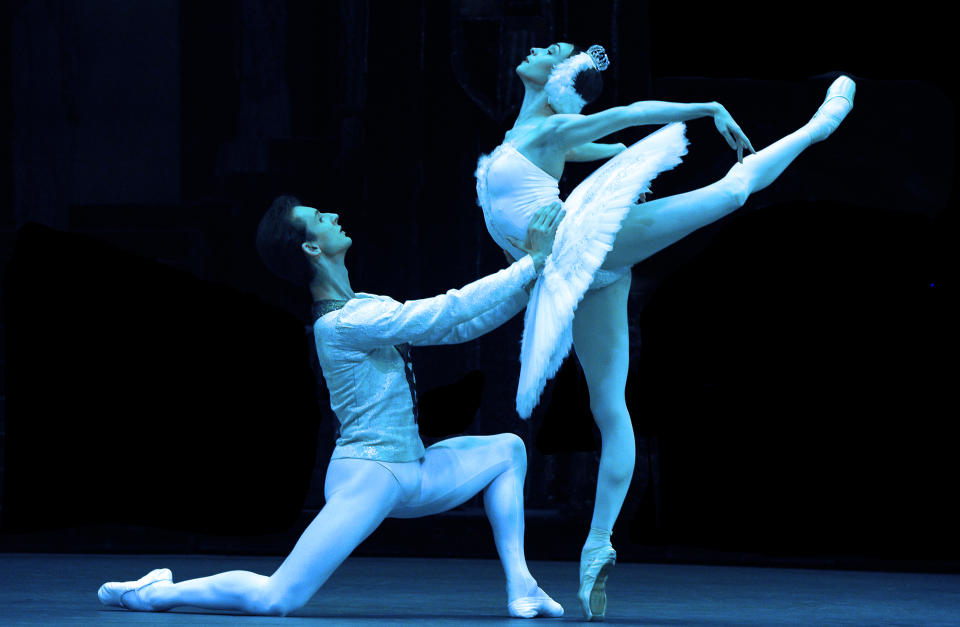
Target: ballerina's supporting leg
601,339
652,226
360,494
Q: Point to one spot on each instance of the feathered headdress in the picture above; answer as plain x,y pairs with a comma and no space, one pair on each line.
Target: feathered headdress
559,86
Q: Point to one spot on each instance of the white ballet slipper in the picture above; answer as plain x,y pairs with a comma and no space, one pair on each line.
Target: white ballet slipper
595,566
835,107
539,605
117,593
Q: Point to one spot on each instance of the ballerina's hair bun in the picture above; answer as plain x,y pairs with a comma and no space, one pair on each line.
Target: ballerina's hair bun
575,82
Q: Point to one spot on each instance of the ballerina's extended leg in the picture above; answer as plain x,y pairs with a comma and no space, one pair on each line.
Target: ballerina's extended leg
600,326
654,225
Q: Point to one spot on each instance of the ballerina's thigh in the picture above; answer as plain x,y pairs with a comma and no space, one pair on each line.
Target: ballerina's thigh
511,188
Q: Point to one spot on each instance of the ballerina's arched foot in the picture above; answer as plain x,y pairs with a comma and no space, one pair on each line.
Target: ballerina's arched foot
540,604
835,107
595,566
125,594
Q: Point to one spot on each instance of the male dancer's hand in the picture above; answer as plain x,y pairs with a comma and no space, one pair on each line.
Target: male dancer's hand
731,131
540,233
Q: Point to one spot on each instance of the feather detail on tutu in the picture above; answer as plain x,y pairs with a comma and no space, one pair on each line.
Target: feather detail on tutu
594,212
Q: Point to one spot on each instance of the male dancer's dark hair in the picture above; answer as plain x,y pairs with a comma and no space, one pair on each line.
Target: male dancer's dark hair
279,239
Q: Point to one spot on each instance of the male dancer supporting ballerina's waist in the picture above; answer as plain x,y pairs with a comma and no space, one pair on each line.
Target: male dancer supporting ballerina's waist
379,468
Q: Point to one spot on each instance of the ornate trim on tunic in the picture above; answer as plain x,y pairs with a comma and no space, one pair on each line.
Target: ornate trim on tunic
323,307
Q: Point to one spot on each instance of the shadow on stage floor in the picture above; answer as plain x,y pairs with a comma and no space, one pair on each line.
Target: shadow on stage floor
61,590
549,537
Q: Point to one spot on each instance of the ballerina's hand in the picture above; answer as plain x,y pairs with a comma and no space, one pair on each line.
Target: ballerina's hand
540,233
731,132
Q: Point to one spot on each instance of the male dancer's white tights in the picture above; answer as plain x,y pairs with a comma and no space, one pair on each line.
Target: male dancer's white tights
360,494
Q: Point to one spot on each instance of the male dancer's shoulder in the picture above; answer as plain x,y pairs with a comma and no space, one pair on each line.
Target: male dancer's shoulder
333,318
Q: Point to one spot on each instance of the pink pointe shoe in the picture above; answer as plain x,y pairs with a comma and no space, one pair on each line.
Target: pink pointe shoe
595,566
118,593
835,107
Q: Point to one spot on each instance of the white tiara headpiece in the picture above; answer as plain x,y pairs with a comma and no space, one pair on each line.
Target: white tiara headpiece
559,86
599,57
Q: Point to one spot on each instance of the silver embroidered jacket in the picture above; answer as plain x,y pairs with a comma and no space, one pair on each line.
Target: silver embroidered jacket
364,371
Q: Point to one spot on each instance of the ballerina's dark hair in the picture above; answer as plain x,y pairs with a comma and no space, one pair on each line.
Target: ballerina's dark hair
588,83
278,242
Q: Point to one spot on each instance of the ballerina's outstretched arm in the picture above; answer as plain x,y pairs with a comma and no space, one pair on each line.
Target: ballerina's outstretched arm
568,131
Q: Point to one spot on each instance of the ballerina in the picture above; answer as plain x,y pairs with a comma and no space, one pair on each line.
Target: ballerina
603,235
379,468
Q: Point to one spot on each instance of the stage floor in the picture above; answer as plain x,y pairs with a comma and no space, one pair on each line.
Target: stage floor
61,590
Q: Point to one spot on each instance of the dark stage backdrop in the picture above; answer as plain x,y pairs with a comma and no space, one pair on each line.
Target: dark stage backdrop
790,367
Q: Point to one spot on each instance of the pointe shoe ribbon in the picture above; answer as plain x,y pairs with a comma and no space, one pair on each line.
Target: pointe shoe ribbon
595,565
112,592
539,605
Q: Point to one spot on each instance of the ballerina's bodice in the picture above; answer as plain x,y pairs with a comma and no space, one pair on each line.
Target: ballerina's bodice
511,189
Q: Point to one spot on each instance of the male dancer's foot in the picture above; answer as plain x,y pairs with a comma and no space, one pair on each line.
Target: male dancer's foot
131,594
596,561
835,107
527,600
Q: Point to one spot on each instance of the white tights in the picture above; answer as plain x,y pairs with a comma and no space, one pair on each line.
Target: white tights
360,494
600,335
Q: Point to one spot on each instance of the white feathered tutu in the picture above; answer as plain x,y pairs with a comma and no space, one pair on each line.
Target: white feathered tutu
594,212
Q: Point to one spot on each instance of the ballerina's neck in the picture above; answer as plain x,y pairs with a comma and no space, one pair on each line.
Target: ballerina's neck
534,102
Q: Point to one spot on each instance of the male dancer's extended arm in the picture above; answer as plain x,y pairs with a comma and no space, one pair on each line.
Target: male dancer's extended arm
483,323
368,323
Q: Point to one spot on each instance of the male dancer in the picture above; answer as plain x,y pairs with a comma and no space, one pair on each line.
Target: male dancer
379,468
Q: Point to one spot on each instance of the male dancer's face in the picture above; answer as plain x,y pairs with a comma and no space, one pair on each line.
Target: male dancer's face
537,65
323,231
